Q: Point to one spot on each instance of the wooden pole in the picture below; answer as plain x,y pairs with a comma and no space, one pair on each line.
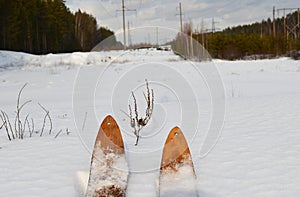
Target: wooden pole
180,12
124,27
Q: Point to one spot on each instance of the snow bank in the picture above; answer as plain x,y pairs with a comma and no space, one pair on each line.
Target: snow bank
9,60
12,60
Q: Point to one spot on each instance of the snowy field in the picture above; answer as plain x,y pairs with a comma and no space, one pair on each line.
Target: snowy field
257,153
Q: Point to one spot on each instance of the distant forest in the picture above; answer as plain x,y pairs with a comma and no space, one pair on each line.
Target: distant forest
254,39
47,26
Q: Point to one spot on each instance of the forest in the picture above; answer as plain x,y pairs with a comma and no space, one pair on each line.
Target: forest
256,40
47,26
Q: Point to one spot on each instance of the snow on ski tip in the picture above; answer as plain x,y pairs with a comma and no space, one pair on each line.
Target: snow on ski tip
177,174
109,169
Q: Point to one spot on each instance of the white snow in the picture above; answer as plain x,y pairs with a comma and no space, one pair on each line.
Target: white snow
257,153
181,182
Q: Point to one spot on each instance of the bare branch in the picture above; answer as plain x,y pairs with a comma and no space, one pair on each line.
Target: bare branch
84,120
19,95
132,120
24,104
3,120
24,126
2,125
5,125
51,125
43,107
32,129
145,97
44,122
18,127
137,139
137,123
135,108
9,124
58,133
148,92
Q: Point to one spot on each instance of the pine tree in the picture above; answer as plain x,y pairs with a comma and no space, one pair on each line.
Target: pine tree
44,26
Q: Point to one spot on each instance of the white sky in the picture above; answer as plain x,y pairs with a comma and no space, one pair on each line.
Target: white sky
162,13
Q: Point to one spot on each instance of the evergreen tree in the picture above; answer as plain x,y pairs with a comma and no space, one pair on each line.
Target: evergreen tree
45,26
252,39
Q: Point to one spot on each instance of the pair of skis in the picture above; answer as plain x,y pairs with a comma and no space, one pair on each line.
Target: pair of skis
109,170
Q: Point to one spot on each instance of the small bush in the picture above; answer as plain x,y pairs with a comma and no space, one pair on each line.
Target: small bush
23,125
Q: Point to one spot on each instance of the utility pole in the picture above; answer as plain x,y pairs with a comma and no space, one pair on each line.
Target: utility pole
213,26
124,25
290,28
129,35
274,31
284,22
157,36
202,32
261,29
124,30
274,23
180,10
180,17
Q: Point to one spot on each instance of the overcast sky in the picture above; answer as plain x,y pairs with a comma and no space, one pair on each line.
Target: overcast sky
163,13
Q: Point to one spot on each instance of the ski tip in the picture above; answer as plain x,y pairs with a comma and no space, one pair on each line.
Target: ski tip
176,150
176,131
176,138
109,120
109,136
109,116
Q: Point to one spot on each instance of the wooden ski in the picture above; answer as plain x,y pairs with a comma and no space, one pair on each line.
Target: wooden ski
177,174
109,169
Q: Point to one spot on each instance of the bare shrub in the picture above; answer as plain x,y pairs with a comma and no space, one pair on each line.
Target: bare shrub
137,122
27,123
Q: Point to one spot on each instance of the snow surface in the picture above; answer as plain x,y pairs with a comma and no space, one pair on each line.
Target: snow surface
178,180
257,153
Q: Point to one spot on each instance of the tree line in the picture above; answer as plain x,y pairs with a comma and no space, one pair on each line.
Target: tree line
253,39
47,26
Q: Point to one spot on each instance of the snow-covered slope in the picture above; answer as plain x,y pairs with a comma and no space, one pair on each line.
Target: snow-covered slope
11,60
256,154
